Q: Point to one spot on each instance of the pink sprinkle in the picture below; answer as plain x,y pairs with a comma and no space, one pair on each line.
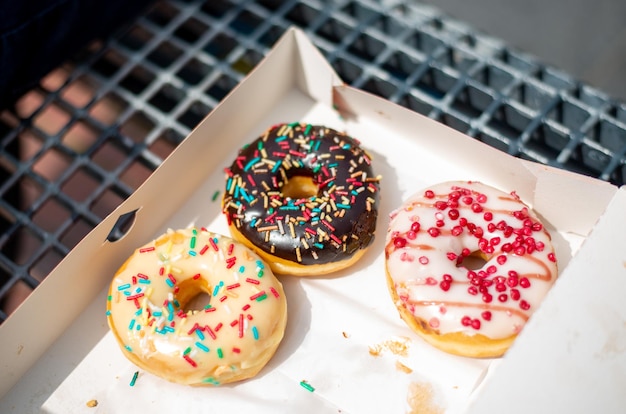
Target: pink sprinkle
146,249
405,257
274,292
191,361
213,245
434,322
423,260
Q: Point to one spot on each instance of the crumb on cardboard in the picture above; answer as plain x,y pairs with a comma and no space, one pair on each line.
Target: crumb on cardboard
421,399
403,368
398,346
92,403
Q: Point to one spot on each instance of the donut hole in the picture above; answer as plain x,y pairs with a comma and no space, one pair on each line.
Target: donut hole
475,261
193,295
300,186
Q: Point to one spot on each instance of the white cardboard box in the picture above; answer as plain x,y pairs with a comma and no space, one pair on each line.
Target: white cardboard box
56,352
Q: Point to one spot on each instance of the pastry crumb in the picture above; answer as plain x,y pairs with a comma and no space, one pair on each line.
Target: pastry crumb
421,399
398,346
401,367
92,403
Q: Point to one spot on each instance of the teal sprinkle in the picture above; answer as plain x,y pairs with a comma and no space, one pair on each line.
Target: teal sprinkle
353,192
251,163
128,348
144,281
317,145
344,206
236,194
126,293
229,183
139,311
281,138
192,253
138,327
333,165
255,332
307,386
202,346
108,313
346,146
277,166
318,245
168,328
242,269
288,208
260,264
138,290
216,289
169,283
200,334
211,381
157,313
123,287
176,303
132,381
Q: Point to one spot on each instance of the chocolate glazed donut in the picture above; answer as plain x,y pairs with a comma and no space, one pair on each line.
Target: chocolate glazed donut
304,197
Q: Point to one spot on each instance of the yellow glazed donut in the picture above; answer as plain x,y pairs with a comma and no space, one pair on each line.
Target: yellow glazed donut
151,312
467,265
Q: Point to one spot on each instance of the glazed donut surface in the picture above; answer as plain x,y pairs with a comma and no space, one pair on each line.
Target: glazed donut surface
154,312
304,197
467,265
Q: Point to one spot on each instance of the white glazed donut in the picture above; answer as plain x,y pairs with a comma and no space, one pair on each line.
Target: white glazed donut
229,339
433,239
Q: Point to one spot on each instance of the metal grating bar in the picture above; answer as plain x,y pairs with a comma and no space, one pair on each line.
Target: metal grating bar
76,146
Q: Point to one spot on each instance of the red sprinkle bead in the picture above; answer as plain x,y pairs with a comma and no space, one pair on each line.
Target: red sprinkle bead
429,194
486,315
501,259
551,257
453,214
444,285
456,230
487,298
466,321
433,231
451,256
472,290
399,242
476,324
488,216
524,282
415,226
515,295
477,208
524,305
503,297
441,205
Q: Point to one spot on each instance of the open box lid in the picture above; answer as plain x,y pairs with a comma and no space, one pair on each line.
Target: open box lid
300,65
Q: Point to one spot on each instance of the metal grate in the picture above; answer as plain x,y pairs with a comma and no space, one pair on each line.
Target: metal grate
81,142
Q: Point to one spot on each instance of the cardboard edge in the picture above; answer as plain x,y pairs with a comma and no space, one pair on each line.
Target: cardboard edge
22,346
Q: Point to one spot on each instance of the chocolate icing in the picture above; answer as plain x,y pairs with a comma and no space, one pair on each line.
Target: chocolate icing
327,227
